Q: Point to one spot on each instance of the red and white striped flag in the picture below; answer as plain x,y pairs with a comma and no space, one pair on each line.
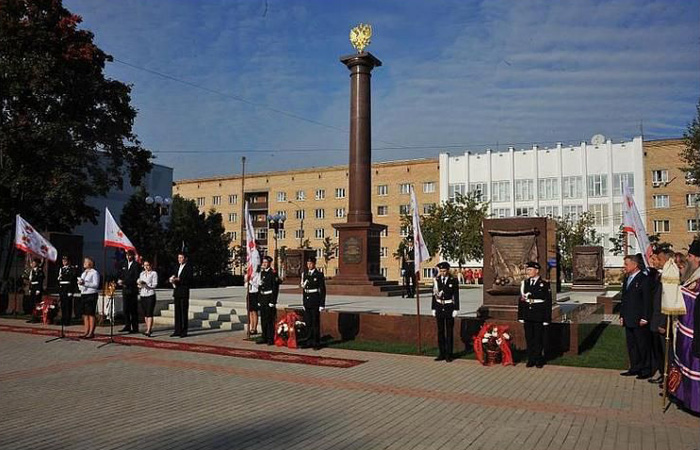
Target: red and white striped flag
252,255
29,240
632,223
114,236
420,250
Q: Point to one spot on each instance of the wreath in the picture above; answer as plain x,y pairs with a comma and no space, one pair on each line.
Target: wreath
492,345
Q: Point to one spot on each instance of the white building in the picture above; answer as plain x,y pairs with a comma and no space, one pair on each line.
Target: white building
552,181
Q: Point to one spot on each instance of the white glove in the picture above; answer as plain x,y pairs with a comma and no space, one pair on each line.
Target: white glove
433,313
271,305
70,295
321,308
454,314
521,321
545,323
37,292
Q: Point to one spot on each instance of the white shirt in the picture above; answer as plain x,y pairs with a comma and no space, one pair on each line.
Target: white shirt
91,282
151,282
179,270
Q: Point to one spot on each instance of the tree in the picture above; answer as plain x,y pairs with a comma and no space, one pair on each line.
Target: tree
328,251
618,243
141,222
691,153
65,130
572,232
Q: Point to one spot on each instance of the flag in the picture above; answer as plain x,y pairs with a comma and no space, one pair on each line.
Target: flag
419,249
632,223
252,255
114,236
29,240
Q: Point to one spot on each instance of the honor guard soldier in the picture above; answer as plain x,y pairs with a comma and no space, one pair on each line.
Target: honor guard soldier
445,306
67,287
267,299
128,280
534,312
36,287
313,284
408,270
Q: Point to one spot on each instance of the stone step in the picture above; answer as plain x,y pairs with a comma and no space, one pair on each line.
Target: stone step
207,316
167,322
210,310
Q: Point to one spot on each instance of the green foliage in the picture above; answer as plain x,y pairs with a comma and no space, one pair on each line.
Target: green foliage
691,153
572,232
618,243
329,248
141,223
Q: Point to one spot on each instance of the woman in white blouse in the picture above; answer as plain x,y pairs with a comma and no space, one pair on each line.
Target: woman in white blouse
148,281
89,284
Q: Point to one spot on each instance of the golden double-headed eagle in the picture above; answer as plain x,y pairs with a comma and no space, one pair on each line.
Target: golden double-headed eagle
361,36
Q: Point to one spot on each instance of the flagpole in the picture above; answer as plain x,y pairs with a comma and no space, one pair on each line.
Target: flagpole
417,288
666,356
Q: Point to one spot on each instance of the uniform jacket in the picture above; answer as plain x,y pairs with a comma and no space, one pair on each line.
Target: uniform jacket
636,301
68,279
36,280
657,318
314,281
268,282
449,290
182,287
130,277
535,311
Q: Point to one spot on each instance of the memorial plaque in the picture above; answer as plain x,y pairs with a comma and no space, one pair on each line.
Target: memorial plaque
510,252
587,267
352,251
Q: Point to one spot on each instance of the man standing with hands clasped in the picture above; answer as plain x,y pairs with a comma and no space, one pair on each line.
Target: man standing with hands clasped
445,306
534,312
181,282
635,313
313,284
128,280
267,299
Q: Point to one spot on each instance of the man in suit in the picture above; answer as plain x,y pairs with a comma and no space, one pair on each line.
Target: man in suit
313,285
67,287
657,325
535,312
445,305
267,299
128,280
181,282
36,288
635,314
408,270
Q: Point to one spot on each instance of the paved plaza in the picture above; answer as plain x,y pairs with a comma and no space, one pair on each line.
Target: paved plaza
74,395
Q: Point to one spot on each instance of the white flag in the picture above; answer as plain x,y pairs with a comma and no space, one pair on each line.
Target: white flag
114,236
29,240
419,249
632,223
252,255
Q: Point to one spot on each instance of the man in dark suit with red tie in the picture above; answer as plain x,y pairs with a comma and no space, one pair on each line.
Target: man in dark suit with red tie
181,281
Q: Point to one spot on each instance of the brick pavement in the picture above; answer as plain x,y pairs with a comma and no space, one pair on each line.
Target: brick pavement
72,395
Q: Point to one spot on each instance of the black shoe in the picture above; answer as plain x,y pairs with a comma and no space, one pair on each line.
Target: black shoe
643,376
317,347
270,343
449,359
133,331
540,364
183,335
260,341
175,335
659,379
440,358
530,363
125,329
629,373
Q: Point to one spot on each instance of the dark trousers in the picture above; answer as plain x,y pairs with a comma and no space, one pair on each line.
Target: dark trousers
30,301
639,349
131,310
312,317
445,330
534,339
268,314
409,281
658,344
182,307
66,308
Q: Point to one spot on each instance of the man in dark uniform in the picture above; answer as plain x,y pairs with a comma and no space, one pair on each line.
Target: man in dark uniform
534,312
636,308
408,270
36,288
445,305
267,299
128,280
657,325
313,284
67,287
181,282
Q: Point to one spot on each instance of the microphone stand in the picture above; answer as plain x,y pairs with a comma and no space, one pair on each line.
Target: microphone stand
111,325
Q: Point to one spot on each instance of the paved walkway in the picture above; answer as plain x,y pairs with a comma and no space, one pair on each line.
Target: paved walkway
72,395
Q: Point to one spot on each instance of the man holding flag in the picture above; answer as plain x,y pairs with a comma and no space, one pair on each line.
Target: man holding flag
31,242
252,273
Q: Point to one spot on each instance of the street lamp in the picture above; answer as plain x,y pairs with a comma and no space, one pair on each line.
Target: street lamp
276,222
163,204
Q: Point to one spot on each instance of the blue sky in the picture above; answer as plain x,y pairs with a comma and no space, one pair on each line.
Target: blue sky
457,75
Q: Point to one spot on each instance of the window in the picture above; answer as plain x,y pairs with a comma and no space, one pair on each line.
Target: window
549,211
693,225
574,211
404,209
500,191
662,226
300,214
216,200
299,234
620,180
499,213
201,201
572,187
261,234
384,272
383,252
480,191
403,231
456,189
301,195
232,199
339,192
382,190
336,233
233,217
336,252
549,189
524,211
234,235
661,201
597,185
659,176
282,234
384,232
320,233
428,208
405,188
524,190
382,210
281,196
319,253
427,273
339,213
601,214
692,200
617,213
320,194
689,178
429,187
231,235
282,213
320,213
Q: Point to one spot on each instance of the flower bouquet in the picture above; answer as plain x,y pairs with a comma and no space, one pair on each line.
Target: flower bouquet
491,345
